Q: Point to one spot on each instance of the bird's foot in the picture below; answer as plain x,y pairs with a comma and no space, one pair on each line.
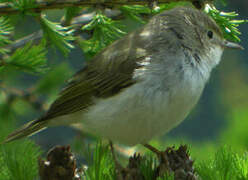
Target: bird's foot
162,155
164,164
117,164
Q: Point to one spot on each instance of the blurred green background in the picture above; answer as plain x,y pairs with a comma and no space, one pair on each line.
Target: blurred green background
220,117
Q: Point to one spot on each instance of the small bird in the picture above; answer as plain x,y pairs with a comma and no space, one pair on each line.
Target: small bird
142,85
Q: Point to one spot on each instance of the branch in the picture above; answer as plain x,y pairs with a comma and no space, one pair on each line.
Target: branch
77,22
28,96
7,8
34,37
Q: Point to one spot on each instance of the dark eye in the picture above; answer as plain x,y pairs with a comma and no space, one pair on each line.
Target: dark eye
210,34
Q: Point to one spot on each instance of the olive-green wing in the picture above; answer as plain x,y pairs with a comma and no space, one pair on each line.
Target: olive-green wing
106,75
80,95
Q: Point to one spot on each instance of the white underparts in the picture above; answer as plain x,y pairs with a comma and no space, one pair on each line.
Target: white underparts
152,106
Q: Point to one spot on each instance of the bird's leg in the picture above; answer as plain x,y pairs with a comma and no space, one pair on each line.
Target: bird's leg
160,154
151,148
164,164
132,171
117,164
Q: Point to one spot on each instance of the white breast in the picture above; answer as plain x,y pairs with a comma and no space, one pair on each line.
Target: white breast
144,110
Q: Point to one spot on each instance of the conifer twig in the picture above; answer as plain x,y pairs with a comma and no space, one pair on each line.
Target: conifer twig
77,22
7,8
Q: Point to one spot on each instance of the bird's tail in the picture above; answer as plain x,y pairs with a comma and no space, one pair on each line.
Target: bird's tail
26,130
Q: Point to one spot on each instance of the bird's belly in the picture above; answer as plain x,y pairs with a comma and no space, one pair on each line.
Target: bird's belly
137,115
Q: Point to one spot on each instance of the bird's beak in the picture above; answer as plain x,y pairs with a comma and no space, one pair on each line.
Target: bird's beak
228,44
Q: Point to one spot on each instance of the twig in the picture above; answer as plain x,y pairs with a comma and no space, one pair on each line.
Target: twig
34,37
82,19
28,96
7,8
77,22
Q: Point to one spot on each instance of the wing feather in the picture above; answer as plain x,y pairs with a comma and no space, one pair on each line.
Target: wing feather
105,75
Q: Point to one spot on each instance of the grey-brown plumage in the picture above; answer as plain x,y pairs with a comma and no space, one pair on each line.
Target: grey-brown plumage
124,63
112,70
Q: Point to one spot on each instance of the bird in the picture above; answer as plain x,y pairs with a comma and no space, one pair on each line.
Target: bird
142,85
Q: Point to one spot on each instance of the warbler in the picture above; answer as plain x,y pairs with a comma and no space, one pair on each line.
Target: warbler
143,85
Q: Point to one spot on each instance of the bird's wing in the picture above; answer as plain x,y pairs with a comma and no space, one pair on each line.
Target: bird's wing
105,75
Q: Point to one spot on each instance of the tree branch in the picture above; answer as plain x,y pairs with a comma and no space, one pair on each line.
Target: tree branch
28,96
7,8
77,22
34,37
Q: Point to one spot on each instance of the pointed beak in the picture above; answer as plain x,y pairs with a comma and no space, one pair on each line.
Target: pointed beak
228,44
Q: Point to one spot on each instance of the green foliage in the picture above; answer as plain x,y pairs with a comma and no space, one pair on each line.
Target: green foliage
58,35
148,165
70,13
224,3
21,5
19,161
53,80
226,22
166,177
6,116
226,164
102,167
5,30
135,12
11,107
165,7
236,131
31,59
24,5
105,31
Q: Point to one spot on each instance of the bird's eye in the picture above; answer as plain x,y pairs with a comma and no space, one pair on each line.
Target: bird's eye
210,34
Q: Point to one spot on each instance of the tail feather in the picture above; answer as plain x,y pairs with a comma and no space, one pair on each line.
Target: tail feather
26,130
